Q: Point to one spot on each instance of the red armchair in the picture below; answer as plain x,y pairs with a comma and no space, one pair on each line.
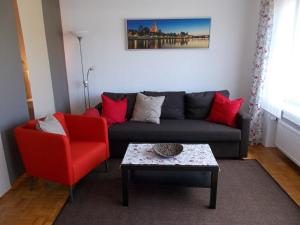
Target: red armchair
64,159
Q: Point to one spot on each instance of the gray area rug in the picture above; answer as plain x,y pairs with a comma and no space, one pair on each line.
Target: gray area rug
247,195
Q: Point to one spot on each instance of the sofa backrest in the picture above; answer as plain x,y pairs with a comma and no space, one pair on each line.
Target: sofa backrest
177,104
198,104
173,106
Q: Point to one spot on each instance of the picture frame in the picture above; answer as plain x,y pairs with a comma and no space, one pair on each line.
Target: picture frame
168,33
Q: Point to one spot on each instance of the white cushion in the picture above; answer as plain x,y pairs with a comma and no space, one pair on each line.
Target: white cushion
51,125
147,108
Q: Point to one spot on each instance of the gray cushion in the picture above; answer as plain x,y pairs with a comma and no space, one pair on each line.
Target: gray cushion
51,125
198,104
130,100
173,107
173,131
147,108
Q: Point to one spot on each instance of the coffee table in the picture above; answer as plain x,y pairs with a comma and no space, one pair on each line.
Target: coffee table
194,158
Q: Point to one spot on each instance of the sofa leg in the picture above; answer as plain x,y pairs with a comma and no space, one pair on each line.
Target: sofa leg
106,166
71,194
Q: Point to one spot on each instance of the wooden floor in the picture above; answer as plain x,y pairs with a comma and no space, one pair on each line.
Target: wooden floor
41,205
283,170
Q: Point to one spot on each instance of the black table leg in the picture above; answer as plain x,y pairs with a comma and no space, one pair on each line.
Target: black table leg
213,188
125,186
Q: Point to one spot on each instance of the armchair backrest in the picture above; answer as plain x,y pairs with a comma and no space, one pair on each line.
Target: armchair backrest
45,155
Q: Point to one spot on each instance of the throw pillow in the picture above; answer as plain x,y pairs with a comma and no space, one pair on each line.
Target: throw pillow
173,107
147,108
93,112
51,125
114,111
198,104
119,96
61,118
224,110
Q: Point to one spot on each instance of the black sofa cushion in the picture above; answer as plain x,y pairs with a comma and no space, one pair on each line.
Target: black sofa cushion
130,100
198,104
173,131
173,107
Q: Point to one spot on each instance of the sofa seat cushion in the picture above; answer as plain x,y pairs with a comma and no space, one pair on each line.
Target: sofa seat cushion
173,131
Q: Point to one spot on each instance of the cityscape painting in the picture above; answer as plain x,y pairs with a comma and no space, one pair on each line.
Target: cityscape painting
168,33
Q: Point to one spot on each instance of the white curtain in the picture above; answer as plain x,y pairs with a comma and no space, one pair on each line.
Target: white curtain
281,89
276,76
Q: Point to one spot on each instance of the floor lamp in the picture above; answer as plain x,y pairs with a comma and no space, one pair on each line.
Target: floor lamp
87,85
85,79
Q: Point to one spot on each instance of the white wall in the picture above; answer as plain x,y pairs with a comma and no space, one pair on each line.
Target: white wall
4,178
32,23
226,64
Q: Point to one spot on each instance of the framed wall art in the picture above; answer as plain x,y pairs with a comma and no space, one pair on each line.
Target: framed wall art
168,33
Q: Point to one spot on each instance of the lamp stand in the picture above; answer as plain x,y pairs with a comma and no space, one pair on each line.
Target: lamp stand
85,83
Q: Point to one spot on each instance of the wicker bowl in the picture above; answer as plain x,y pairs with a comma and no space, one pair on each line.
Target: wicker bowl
168,149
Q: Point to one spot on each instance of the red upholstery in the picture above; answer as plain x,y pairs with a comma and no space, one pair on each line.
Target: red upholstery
64,159
83,163
93,112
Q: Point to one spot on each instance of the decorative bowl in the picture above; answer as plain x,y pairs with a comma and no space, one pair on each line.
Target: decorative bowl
168,149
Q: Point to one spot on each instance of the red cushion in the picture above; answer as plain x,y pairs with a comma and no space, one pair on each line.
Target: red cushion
93,112
114,111
224,110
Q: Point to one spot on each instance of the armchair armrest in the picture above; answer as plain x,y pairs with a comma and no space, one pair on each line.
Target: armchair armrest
243,123
45,155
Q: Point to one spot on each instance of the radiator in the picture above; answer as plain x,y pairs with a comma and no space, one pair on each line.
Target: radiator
288,140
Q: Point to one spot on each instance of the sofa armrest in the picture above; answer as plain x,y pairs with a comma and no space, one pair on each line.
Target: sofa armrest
243,123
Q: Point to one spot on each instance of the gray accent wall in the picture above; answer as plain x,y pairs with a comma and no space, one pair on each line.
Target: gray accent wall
13,110
54,37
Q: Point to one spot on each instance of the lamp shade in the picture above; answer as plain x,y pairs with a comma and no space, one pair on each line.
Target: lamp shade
79,33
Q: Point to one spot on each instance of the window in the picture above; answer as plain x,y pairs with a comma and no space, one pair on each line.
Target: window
281,91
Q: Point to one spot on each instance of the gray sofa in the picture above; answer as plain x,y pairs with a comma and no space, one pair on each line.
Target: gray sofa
182,121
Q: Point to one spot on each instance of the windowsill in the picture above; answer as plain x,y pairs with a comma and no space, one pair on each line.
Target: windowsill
292,114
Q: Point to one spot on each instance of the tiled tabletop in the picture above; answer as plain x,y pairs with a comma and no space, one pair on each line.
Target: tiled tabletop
192,155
